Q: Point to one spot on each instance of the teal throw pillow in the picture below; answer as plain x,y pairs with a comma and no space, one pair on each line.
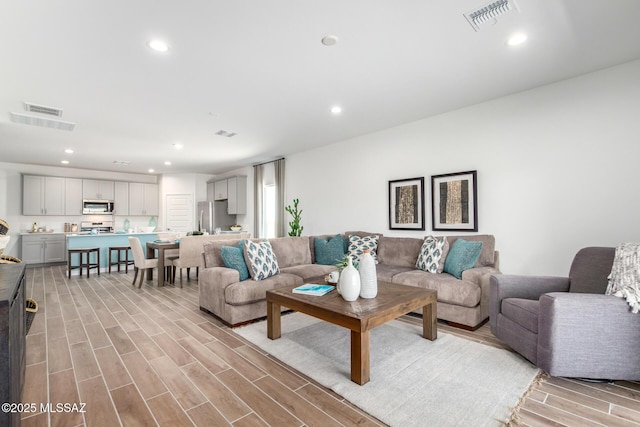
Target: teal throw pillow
462,256
233,257
329,252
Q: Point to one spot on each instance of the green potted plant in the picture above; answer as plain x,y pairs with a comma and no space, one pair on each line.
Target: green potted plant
296,228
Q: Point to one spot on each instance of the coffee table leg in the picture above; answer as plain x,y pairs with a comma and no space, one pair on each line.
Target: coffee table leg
360,362
430,322
273,320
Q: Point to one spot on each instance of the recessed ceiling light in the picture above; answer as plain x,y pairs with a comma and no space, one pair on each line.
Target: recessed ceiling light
151,171
68,151
168,163
517,39
158,45
336,109
330,40
64,162
178,146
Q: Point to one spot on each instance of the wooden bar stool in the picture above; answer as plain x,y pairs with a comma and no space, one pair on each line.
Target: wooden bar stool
120,257
84,260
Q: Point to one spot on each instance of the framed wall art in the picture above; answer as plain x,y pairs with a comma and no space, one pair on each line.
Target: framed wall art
406,204
454,201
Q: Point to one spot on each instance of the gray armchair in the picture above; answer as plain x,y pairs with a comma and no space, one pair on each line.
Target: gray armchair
566,325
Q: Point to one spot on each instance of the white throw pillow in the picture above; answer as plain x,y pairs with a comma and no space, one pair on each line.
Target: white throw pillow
261,259
358,244
433,254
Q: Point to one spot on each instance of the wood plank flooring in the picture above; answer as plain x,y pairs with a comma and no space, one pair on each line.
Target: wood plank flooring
150,357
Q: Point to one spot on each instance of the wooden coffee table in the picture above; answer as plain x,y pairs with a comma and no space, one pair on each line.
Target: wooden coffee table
359,316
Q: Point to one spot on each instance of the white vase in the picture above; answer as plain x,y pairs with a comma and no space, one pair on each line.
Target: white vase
368,277
349,283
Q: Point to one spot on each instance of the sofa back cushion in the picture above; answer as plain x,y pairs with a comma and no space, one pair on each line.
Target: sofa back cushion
488,247
400,251
212,252
590,269
291,250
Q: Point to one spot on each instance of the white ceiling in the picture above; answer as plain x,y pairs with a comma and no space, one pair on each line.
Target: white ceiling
258,68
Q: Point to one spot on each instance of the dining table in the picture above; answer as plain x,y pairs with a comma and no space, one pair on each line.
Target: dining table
157,248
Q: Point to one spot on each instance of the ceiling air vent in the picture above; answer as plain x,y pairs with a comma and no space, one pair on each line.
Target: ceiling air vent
34,108
489,13
39,121
223,132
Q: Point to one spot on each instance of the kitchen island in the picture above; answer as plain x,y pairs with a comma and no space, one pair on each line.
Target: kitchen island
105,240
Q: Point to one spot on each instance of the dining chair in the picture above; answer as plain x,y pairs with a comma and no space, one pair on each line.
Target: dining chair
140,262
170,255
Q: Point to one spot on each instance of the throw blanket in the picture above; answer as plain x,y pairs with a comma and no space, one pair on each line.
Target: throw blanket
624,280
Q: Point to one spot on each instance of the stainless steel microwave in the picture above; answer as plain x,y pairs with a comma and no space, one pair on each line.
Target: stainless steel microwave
97,207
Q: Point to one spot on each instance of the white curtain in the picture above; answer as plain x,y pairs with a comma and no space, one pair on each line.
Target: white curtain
279,175
269,174
258,226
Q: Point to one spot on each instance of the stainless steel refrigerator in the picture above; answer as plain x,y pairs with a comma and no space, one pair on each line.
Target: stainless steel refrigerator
214,214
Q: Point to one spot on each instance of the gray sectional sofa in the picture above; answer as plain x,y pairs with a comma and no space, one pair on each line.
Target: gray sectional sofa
464,302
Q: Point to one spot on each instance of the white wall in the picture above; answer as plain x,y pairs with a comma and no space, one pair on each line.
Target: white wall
557,170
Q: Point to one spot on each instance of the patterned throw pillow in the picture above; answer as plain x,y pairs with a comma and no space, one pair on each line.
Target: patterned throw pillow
233,257
358,244
462,256
433,254
261,260
329,252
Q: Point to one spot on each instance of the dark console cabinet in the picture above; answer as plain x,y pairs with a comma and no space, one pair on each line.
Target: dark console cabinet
12,339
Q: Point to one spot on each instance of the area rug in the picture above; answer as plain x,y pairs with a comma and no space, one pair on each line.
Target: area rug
414,382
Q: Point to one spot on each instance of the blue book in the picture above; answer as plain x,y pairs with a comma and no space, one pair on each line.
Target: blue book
313,289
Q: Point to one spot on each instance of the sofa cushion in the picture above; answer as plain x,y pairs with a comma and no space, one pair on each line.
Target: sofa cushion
249,291
462,256
233,257
291,250
487,255
212,253
450,290
357,246
433,254
385,272
261,259
309,271
522,311
329,252
401,251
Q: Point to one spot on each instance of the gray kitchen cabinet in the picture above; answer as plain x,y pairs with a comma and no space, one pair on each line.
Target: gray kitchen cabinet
143,199
41,248
220,190
237,195
43,195
121,198
73,196
97,189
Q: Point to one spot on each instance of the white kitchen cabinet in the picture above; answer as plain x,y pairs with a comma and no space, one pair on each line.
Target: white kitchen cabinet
143,199
121,198
97,189
220,191
40,248
73,196
237,195
43,195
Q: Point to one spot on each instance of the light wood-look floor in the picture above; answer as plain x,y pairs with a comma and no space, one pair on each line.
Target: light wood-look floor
150,357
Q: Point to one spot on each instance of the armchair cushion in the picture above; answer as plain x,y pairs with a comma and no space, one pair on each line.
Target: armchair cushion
522,311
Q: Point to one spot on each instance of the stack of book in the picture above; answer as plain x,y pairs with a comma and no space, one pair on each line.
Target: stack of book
313,289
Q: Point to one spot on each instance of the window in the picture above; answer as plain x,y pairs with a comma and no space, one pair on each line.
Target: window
269,210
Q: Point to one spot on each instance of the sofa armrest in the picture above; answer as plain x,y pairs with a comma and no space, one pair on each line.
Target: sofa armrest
516,286
588,335
212,282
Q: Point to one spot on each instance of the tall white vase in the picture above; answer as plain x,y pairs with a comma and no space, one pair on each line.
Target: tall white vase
368,277
349,282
